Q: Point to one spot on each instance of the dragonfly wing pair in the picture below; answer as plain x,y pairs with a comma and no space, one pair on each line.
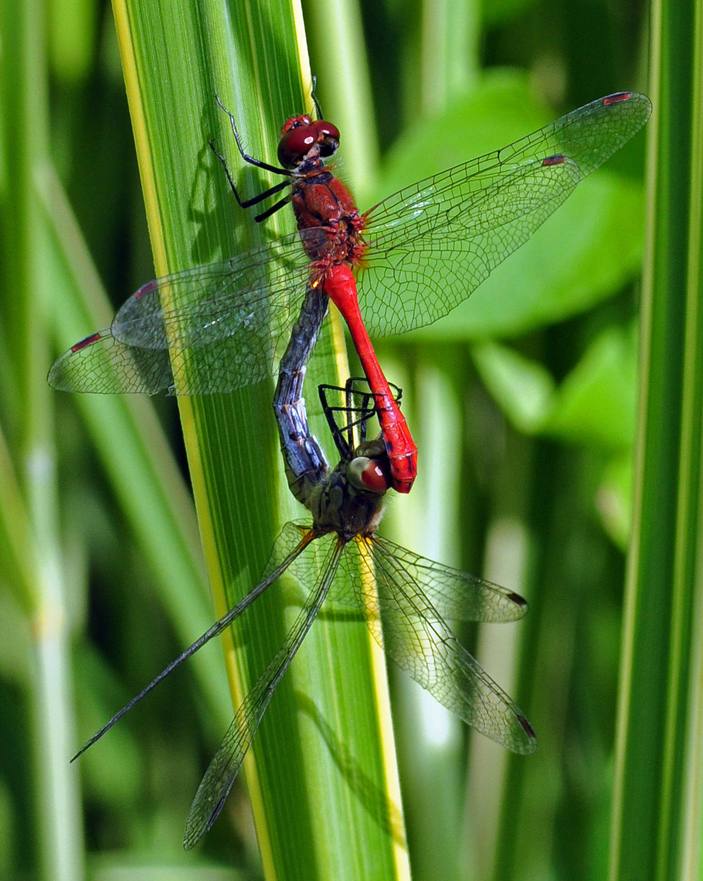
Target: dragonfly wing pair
414,594
223,769
427,247
434,242
207,330
403,613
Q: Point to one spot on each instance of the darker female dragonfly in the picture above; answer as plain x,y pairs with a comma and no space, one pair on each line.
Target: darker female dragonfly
404,597
403,264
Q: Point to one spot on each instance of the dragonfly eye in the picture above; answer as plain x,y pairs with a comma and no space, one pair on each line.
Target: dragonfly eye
368,474
295,122
300,135
328,137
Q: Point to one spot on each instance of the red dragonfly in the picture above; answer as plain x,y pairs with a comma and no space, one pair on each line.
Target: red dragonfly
403,264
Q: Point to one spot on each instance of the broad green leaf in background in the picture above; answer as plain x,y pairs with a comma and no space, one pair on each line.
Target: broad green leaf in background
593,405
585,253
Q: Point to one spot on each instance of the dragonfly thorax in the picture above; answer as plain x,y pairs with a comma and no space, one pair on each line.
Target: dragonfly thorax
350,501
328,219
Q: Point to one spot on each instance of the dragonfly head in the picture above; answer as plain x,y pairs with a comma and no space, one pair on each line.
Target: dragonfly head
369,470
302,134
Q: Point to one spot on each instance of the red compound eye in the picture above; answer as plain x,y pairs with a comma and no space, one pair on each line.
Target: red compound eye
328,136
300,134
368,474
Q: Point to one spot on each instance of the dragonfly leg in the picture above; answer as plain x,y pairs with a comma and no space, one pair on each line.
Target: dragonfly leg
274,169
248,203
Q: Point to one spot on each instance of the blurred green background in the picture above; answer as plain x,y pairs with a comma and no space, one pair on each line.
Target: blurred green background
523,403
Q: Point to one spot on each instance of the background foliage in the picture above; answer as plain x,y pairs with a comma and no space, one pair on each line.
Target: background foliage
524,402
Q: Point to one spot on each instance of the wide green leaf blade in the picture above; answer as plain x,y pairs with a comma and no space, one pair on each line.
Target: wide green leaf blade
319,768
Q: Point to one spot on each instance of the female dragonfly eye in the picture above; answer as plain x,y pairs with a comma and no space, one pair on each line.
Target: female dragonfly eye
368,474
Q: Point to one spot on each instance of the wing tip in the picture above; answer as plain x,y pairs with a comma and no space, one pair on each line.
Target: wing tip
528,741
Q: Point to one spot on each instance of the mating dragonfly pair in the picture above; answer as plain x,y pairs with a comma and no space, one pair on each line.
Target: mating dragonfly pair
416,255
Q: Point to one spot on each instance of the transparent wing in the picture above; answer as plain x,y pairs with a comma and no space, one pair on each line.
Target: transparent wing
430,245
414,634
290,543
434,242
223,769
226,324
100,364
453,594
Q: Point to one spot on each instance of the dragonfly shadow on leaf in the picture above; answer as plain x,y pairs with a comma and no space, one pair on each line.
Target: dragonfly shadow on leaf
374,800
